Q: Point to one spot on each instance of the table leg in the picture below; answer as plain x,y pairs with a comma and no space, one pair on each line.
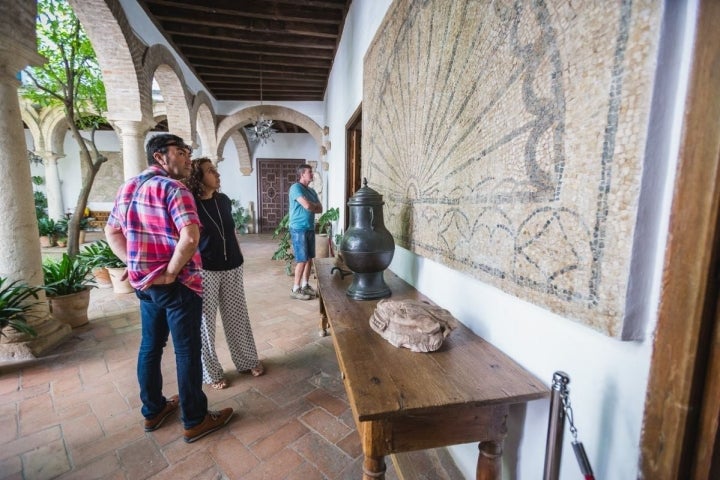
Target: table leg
323,325
489,466
323,319
374,468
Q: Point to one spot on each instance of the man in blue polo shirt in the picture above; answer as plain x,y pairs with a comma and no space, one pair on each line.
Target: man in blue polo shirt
304,204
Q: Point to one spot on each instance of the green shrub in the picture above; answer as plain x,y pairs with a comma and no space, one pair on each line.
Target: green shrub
99,254
325,221
240,217
65,276
282,232
46,226
15,307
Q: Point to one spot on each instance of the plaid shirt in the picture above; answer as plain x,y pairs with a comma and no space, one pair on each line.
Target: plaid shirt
151,222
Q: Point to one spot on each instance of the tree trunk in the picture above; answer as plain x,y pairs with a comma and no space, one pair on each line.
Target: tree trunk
88,178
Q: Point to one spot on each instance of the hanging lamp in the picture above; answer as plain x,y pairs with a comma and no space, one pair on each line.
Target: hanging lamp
261,129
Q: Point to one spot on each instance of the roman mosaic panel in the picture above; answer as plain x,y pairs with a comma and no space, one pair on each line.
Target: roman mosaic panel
507,139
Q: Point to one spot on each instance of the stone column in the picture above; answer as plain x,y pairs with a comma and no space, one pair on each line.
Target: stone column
132,137
19,237
56,210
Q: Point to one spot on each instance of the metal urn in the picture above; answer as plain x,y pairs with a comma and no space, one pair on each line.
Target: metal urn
367,247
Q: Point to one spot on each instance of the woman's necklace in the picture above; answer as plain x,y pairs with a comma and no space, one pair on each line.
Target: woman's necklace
221,228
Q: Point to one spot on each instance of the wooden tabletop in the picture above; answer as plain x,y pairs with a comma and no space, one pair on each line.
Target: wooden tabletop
385,381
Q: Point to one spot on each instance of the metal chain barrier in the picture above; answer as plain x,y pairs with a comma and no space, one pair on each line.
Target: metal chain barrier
560,408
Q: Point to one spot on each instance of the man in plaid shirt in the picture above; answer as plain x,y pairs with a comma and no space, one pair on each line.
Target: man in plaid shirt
154,228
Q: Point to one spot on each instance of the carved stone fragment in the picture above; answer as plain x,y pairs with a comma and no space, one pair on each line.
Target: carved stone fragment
412,324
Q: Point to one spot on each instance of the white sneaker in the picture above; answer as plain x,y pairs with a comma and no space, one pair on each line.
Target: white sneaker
299,295
308,290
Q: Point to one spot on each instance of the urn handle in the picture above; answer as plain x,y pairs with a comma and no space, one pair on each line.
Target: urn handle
372,218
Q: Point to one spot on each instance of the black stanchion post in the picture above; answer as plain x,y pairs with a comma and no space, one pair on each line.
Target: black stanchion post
556,426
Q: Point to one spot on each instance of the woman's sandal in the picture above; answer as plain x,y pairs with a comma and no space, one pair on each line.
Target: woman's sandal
256,371
220,384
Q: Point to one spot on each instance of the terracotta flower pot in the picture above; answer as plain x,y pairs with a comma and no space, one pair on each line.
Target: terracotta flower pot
322,245
47,241
119,286
102,277
71,309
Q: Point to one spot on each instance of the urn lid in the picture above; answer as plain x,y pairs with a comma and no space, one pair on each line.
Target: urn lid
365,196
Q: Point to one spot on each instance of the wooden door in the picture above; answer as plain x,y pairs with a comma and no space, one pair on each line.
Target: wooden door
353,162
682,408
275,176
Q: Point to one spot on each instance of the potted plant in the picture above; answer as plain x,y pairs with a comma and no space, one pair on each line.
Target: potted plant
67,286
284,250
98,255
337,240
323,225
323,229
61,227
61,231
47,230
16,306
240,217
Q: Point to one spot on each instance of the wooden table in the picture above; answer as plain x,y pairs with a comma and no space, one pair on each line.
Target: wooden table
403,400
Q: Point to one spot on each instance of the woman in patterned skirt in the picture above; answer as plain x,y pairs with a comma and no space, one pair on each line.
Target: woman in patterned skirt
223,287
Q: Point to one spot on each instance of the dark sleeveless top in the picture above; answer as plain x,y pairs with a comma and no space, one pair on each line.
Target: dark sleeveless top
211,242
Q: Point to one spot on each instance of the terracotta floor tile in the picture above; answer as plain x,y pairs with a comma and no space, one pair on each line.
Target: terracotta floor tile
104,468
278,440
48,461
30,442
325,425
331,403
82,430
328,458
141,459
197,466
233,457
275,467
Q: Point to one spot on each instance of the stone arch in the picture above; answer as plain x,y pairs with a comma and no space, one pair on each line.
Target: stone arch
160,64
48,127
245,116
205,127
119,53
243,150
31,117
159,113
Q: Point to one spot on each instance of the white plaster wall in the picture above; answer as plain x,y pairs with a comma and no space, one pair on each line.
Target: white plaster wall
608,377
344,91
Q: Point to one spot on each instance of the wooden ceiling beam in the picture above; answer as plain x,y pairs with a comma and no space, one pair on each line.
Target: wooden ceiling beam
200,55
240,40
231,44
219,25
317,12
275,72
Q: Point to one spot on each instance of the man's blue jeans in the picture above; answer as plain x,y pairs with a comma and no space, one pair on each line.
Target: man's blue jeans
177,310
